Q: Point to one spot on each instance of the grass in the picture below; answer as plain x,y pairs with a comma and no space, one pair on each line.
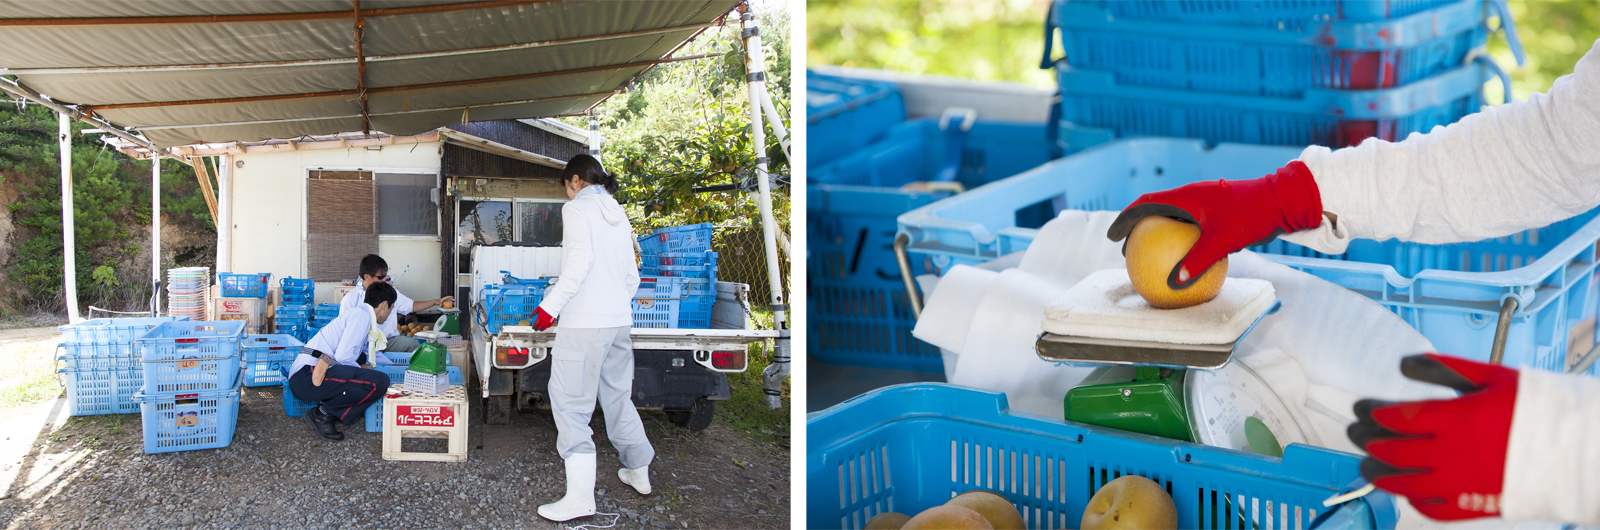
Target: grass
31,377
747,411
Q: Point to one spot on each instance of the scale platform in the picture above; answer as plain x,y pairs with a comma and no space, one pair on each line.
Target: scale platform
1096,352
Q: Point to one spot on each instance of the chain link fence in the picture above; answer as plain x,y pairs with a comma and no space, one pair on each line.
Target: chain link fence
742,258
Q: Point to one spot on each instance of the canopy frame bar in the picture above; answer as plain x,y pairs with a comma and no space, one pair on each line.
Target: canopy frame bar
276,17
349,60
424,86
399,113
361,71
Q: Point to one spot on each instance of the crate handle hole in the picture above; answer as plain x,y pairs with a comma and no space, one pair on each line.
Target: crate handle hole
1477,321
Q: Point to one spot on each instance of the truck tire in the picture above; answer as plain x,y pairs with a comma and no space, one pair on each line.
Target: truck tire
697,418
497,410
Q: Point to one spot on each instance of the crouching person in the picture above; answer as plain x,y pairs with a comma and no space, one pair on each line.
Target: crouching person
334,370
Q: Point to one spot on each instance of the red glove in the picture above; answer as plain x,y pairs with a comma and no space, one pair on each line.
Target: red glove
1232,214
1447,456
542,320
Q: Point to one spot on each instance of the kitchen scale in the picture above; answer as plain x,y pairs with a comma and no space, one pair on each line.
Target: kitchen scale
1187,392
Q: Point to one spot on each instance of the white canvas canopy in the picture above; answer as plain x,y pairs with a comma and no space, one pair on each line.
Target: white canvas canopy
182,72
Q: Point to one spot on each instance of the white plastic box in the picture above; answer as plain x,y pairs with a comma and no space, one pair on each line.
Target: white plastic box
427,383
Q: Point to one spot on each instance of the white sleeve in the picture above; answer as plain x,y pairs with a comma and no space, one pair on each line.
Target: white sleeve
1511,168
1553,458
350,301
402,303
577,257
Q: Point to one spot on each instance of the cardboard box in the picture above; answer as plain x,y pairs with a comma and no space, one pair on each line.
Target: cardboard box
251,310
340,290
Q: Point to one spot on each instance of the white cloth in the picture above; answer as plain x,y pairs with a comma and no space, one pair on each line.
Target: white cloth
1511,168
1553,459
1105,306
599,275
587,364
998,351
391,328
344,339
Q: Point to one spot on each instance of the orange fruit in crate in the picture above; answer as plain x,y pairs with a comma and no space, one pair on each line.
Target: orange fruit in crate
1000,513
1156,245
948,517
1130,501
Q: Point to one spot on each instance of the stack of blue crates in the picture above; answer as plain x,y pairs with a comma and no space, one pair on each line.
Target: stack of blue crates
192,383
297,291
99,367
265,354
294,320
843,114
860,313
1331,72
323,314
680,252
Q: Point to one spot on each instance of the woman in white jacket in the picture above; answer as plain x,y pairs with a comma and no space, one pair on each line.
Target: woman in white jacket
593,354
1522,445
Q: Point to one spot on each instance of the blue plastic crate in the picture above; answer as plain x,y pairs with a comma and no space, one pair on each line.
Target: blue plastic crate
267,373
844,114
658,302
297,299
292,406
186,422
76,356
187,357
504,305
271,347
243,285
93,392
1293,15
682,271
397,375
702,286
1452,294
908,448
327,311
942,149
687,238
294,312
1149,50
1097,107
112,329
292,285
679,258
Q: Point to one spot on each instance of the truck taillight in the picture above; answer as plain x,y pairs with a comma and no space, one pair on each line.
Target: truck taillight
727,360
510,356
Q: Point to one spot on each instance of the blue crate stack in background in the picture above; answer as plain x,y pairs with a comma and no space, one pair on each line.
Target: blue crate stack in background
99,366
294,316
874,167
1294,74
320,317
192,381
678,278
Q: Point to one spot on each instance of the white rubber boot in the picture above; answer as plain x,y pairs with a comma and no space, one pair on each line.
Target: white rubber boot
638,478
579,501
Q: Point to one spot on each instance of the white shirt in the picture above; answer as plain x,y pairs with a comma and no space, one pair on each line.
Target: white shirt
402,306
1504,170
598,273
344,339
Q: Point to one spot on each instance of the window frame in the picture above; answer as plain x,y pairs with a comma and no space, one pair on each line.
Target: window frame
438,184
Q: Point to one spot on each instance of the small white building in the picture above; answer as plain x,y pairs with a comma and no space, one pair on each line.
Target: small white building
311,208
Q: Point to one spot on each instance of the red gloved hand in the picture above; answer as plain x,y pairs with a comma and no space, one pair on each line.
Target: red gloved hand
1232,214
1447,456
542,320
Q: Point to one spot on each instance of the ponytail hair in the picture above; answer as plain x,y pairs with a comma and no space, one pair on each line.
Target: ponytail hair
589,170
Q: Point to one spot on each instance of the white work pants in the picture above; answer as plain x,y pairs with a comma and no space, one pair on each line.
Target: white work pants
590,363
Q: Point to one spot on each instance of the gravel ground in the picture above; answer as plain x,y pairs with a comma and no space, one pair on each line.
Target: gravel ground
91,472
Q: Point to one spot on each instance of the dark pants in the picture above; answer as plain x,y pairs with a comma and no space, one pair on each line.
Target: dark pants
346,391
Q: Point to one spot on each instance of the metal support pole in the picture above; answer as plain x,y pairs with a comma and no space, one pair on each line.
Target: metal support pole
755,76
224,214
594,136
69,265
777,123
155,234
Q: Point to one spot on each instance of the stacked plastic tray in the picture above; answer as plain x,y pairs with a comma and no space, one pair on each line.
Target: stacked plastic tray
659,302
321,316
189,292
243,285
1294,74
98,364
264,355
509,304
859,311
297,291
294,320
1452,294
686,238
844,114
192,382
